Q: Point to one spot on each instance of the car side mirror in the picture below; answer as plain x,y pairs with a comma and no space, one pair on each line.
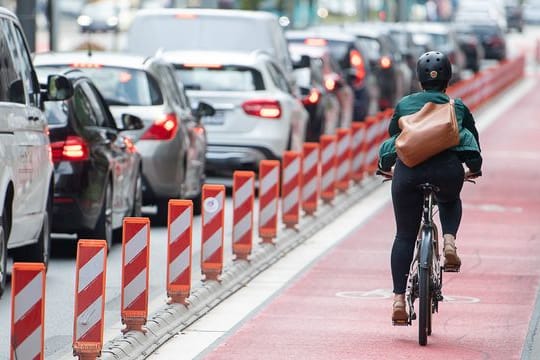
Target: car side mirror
16,92
58,88
204,109
131,122
304,62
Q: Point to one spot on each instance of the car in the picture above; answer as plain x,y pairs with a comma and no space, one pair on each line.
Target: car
257,115
26,179
484,10
97,171
352,58
173,141
99,16
491,37
392,72
470,45
209,29
442,37
320,102
514,14
333,81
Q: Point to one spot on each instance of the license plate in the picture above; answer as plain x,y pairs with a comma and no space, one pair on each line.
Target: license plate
217,119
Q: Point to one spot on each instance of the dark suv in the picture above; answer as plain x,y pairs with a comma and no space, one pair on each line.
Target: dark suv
353,59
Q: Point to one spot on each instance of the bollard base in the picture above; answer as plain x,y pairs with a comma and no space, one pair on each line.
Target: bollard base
86,351
134,324
267,240
88,356
242,256
211,275
179,298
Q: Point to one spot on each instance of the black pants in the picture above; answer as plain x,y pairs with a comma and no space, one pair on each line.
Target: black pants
445,171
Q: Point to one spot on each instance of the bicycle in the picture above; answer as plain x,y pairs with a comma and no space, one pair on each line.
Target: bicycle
425,275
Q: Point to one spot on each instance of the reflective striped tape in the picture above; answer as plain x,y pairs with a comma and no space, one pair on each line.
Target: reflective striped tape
310,177
269,171
213,197
292,176
243,202
179,245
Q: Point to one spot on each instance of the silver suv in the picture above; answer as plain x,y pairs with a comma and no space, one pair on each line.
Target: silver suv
25,155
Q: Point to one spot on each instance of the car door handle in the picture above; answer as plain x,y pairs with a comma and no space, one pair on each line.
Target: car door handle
33,118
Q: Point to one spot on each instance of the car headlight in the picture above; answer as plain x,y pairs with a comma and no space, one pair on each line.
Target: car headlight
112,21
84,20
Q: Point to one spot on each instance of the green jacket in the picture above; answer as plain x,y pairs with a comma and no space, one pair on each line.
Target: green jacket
469,146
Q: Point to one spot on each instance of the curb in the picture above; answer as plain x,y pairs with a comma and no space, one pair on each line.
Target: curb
171,319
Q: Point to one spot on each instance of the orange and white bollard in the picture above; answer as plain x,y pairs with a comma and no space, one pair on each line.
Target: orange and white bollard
243,201
291,187
358,134
135,269
328,167
310,177
180,229
91,273
27,311
343,159
268,199
213,216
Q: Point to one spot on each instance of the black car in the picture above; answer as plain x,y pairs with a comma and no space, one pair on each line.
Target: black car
470,45
352,58
514,14
97,171
492,39
320,102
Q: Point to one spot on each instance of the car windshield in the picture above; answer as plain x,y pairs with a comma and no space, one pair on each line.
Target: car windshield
196,33
119,86
220,78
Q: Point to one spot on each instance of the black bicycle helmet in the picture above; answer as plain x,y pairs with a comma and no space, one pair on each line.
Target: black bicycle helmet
433,66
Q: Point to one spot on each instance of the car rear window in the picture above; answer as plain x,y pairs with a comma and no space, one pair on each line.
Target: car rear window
220,78
119,86
176,32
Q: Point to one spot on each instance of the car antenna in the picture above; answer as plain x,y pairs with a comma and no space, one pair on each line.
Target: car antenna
89,44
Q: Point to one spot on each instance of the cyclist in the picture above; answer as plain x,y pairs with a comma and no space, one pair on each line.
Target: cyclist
444,170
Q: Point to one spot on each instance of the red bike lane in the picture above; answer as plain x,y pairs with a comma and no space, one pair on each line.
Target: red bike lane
340,307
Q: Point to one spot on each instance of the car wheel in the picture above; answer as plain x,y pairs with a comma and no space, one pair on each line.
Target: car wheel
104,229
162,214
138,196
3,254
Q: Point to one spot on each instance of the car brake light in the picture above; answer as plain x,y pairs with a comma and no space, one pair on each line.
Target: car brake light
185,16
330,84
315,42
72,149
386,63
312,98
206,66
163,128
83,65
357,62
270,109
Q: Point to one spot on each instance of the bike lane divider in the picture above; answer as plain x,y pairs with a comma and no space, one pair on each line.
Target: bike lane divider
340,307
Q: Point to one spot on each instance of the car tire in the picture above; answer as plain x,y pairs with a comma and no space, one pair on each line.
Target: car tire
104,229
3,254
162,213
40,251
136,210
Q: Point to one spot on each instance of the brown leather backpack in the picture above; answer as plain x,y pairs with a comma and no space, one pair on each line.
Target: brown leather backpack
427,132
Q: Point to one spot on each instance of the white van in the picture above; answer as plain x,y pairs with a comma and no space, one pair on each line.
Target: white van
208,29
26,182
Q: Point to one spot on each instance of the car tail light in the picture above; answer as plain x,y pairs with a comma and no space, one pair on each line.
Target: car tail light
185,16
330,84
85,65
313,97
164,128
315,42
495,40
203,65
357,62
386,63
74,148
269,109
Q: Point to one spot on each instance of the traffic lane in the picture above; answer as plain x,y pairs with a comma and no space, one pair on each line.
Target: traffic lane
488,304
60,286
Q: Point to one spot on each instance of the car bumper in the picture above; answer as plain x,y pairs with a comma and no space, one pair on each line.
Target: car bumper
223,160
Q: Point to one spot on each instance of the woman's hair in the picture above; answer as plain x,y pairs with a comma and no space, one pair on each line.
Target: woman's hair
440,85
